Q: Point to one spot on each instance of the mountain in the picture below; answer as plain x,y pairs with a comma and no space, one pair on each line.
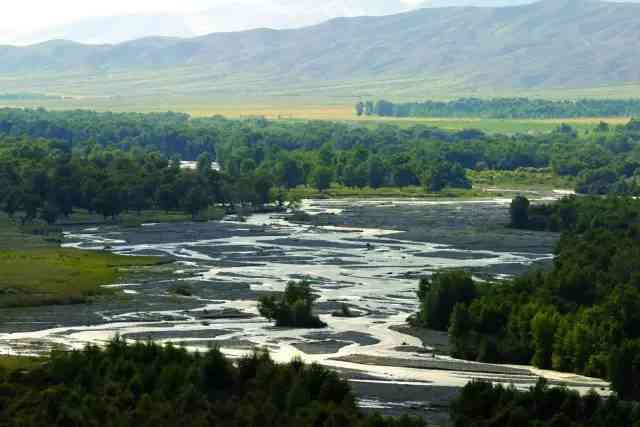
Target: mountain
548,44
114,29
219,16
478,3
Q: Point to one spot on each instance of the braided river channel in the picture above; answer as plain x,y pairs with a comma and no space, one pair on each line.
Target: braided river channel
367,255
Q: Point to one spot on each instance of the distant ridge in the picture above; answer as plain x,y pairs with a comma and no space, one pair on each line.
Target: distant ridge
548,44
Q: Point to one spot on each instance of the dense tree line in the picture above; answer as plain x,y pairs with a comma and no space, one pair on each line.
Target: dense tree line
26,96
148,385
583,316
504,108
47,180
439,295
576,214
483,404
288,154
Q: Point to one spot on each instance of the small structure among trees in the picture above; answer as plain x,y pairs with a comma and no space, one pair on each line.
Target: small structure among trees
292,309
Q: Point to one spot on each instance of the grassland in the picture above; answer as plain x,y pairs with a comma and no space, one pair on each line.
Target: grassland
133,219
16,363
36,271
49,276
338,192
520,179
334,106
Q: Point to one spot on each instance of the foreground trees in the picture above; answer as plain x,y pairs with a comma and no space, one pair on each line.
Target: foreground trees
482,404
148,385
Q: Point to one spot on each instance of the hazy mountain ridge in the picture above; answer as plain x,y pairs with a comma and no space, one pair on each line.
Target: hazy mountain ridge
552,43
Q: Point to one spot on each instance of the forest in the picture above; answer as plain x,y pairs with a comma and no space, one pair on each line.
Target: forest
503,108
482,404
582,316
144,384
54,162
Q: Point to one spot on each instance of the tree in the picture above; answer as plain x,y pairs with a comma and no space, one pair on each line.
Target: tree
377,172
195,200
109,201
519,212
624,369
543,330
137,197
262,187
441,294
438,174
360,108
368,108
50,213
383,108
204,164
290,173
294,308
322,177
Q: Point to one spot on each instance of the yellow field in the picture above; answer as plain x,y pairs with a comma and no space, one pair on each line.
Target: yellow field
304,109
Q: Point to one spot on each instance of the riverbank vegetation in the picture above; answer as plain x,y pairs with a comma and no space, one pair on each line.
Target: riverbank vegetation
36,271
503,108
9,364
53,276
148,385
482,404
583,316
293,309
576,214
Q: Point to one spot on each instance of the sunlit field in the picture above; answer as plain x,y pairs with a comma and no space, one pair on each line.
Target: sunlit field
301,110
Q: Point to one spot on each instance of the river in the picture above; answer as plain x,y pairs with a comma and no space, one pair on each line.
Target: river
365,254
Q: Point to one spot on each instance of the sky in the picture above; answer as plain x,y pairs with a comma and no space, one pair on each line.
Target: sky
96,21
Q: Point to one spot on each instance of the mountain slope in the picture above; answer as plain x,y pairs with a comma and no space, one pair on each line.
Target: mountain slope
113,29
552,43
187,20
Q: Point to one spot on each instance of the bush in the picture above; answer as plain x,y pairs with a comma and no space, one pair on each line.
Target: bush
293,309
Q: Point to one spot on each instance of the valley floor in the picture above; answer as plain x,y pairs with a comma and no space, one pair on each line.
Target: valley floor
367,254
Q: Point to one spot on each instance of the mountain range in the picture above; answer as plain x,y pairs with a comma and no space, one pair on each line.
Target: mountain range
548,44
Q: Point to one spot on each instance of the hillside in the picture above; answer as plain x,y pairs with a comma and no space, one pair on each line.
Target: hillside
550,44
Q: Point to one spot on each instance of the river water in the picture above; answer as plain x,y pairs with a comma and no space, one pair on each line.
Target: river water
367,255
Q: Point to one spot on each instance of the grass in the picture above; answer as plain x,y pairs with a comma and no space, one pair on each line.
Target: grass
133,219
521,179
51,276
338,191
35,271
338,107
16,363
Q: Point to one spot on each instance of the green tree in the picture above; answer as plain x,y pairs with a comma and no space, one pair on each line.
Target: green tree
195,200
322,177
519,212
377,172
441,294
543,331
294,308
